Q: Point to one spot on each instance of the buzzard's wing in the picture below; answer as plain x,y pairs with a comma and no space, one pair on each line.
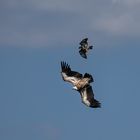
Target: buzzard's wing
69,75
83,53
87,96
84,42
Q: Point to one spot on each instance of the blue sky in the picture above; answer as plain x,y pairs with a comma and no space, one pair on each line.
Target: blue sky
35,103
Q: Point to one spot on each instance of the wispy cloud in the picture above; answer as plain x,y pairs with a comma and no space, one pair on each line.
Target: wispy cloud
30,131
34,23
120,25
126,2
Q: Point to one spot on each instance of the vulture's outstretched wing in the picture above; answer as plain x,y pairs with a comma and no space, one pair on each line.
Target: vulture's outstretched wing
69,75
89,76
87,96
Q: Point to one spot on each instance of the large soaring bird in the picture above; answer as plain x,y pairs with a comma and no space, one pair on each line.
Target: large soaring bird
81,83
84,48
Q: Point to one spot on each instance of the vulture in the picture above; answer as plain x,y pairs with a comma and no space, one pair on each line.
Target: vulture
81,83
84,48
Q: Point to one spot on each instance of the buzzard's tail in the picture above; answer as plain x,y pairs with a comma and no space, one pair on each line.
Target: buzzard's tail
90,47
89,76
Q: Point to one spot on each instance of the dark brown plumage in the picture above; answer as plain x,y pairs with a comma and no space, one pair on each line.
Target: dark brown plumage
84,48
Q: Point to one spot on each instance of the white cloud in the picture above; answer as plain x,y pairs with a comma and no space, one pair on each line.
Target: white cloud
121,19
48,22
127,2
120,25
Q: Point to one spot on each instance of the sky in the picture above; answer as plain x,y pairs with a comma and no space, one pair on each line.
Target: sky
36,35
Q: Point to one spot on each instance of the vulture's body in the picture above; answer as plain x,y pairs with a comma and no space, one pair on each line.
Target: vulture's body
75,78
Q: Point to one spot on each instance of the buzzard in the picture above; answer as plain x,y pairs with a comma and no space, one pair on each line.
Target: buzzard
84,48
81,83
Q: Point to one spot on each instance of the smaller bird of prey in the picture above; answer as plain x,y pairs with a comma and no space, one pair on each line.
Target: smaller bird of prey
84,48
81,84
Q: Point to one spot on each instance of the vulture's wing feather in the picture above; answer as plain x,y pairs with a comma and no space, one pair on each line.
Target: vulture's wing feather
86,75
87,96
69,75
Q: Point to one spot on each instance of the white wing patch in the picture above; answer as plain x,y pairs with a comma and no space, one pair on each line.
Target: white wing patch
84,97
